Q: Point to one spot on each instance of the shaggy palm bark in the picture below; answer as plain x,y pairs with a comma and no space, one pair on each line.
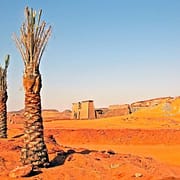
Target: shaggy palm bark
32,42
3,99
34,150
3,114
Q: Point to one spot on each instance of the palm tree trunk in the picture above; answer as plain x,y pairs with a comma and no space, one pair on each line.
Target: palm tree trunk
34,150
3,114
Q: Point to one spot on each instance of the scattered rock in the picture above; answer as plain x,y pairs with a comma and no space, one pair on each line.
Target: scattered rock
97,159
113,166
111,152
70,158
137,175
21,171
103,155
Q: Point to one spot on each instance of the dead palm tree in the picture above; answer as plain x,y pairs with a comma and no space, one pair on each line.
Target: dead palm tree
3,98
31,44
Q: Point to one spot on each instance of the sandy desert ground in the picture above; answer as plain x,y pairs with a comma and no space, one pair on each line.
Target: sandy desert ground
143,145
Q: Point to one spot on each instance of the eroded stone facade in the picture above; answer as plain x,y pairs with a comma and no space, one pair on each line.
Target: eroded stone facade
83,110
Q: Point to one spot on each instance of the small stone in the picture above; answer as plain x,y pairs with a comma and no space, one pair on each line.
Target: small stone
137,175
111,152
113,166
70,158
21,171
97,159
105,155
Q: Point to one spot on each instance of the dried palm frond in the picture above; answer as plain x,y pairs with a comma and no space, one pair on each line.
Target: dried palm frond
32,41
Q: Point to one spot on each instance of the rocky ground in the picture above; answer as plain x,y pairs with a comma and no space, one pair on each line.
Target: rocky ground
77,163
102,152
142,145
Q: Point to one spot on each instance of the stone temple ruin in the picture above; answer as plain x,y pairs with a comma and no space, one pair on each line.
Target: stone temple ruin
86,109
83,110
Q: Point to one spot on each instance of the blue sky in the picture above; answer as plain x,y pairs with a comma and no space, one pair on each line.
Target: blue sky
111,51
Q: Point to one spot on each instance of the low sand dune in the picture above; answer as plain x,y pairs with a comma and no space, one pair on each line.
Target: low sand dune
143,145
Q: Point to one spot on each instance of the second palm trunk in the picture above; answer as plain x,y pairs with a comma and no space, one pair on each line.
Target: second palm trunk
3,114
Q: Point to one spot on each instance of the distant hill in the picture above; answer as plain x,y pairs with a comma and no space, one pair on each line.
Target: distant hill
157,107
47,114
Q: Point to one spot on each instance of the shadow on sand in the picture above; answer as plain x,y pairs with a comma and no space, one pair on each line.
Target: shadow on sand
61,156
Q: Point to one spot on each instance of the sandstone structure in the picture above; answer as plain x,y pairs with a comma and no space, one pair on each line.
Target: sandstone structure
118,110
125,109
83,110
101,112
149,103
86,110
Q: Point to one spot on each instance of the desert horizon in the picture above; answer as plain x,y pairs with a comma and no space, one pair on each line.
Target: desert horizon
90,90
143,144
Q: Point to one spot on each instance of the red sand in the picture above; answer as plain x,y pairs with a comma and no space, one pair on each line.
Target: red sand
147,147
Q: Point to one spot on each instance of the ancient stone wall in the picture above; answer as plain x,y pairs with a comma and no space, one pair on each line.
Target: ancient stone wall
91,110
118,110
75,111
83,110
86,110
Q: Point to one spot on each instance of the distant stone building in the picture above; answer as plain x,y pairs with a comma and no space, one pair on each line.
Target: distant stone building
83,110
